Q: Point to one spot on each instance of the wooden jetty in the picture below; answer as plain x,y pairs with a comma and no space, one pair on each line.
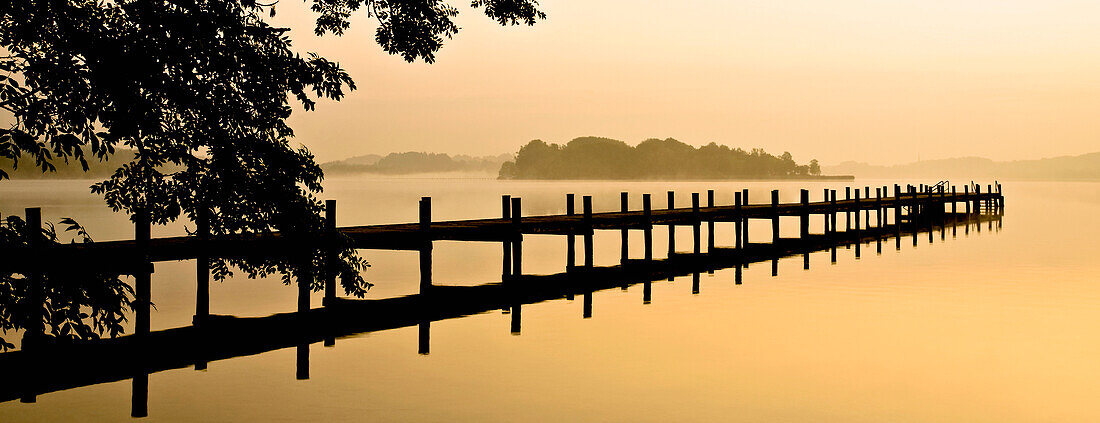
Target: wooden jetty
868,219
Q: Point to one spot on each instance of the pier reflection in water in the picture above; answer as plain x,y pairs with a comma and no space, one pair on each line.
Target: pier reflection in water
737,318
167,349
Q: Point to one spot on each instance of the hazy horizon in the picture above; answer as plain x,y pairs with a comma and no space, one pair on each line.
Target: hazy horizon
381,153
846,80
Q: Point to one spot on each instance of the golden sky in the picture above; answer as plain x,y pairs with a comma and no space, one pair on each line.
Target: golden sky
870,80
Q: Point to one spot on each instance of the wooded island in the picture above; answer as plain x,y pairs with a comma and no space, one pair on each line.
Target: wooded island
605,158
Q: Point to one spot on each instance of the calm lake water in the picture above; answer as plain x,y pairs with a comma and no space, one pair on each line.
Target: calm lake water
997,326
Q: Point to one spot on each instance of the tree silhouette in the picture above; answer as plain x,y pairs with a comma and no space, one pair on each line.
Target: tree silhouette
76,303
605,158
199,91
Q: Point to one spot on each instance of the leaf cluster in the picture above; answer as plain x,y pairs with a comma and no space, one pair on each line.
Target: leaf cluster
78,303
417,29
199,92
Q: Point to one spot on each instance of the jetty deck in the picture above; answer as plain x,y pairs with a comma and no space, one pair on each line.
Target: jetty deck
411,236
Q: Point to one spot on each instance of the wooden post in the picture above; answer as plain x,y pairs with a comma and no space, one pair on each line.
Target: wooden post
978,207
897,209
587,204
139,399
914,213
880,220
745,221
202,274
671,225
941,212
954,211
1000,201
647,232
587,311
570,239
954,202
977,199
330,256
897,217
737,220
426,246
855,210
143,275
624,206
804,217
517,243
710,222
506,214
989,200
825,216
695,283
36,328
878,208
867,214
833,210
966,199
857,207
305,278
937,212
775,218
695,229
847,212
858,238
885,207
647,292
202,267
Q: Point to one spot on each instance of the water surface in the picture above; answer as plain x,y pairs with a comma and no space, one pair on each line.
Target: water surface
995,326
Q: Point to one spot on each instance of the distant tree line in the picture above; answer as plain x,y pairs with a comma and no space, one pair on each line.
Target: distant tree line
605,158
98,168
414,162
1084,167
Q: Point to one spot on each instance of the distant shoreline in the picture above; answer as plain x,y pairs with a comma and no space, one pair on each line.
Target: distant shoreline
738,178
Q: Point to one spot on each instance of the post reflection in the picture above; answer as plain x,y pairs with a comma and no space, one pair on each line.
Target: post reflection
139,399
424,338
515,319
302,364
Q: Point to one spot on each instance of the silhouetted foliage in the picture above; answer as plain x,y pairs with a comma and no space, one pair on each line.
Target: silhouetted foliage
79,303
604,158
416,29
200,91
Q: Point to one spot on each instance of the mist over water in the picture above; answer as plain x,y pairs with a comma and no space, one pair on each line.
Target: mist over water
1000,325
